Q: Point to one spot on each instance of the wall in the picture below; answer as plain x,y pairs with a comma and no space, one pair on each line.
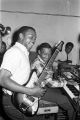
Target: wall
54,20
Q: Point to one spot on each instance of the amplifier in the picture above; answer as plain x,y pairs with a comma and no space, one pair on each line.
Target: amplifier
46,107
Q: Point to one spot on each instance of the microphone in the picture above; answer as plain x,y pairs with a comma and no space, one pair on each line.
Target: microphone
2,28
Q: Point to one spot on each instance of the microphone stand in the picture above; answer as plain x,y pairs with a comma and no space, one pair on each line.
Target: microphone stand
67,56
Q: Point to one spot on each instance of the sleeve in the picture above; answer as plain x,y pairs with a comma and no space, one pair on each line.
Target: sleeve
11,61
37,67
33,65
55,83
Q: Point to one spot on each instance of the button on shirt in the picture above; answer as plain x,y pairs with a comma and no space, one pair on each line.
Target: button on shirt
16,60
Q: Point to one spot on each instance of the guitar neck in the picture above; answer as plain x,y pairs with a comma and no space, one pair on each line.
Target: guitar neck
49,64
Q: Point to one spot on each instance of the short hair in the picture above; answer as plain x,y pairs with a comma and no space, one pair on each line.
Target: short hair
69,44
43,45
24,29
16,33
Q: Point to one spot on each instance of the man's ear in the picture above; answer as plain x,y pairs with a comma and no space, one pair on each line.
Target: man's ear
39,52
21,36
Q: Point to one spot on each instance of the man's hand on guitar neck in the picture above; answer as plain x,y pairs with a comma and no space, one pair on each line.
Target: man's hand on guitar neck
37,91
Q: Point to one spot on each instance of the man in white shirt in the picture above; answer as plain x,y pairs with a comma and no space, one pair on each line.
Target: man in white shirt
15,71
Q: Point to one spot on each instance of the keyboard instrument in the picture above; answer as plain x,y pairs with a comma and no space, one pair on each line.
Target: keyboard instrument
69,73
72,91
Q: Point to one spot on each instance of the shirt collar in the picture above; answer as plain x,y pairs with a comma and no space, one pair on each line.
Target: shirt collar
22,47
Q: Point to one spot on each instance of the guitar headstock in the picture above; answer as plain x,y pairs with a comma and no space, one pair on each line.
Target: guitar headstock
59,45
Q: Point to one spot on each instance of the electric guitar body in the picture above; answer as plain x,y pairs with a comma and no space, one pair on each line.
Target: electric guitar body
27,104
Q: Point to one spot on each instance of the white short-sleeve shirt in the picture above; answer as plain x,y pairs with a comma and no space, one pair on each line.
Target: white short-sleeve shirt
16,60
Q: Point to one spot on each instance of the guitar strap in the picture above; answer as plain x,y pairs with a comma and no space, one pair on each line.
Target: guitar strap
32,71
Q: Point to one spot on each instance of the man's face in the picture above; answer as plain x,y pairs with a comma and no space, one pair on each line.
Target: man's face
29,39
45,54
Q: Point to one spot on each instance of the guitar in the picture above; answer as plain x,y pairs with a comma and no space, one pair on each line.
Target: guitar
29,105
